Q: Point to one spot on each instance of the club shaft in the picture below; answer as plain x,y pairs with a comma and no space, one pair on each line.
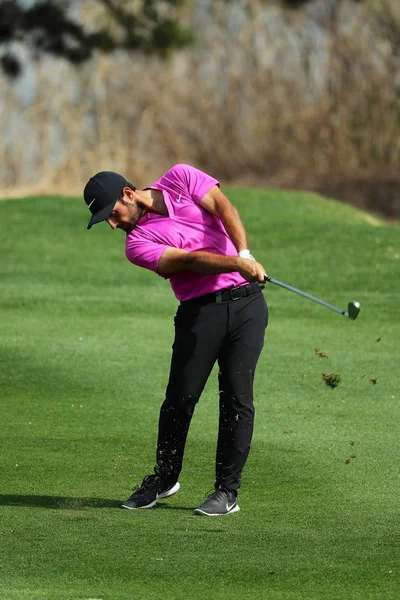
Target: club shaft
313,298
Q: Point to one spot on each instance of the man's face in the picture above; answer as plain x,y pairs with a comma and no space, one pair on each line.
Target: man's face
126,212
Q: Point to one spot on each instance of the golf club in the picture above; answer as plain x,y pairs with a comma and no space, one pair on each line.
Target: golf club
353,307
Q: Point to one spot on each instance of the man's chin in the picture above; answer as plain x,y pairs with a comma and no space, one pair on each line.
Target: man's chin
128,227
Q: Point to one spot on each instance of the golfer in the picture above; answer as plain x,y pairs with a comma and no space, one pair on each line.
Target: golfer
185,229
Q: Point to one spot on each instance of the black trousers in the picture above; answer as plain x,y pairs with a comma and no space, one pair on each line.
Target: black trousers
231,333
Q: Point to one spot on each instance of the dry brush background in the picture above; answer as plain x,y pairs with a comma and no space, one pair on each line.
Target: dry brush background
308,99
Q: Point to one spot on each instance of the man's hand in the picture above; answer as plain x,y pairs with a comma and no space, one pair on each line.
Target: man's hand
251,270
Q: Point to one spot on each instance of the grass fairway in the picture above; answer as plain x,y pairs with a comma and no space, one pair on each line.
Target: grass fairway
85,343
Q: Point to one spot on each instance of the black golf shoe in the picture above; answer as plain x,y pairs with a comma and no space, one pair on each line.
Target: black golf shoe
152,489
220,502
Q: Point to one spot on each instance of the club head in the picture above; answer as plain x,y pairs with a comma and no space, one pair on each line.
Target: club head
353,309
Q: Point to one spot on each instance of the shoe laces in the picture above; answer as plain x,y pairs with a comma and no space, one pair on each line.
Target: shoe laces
219,494
147,483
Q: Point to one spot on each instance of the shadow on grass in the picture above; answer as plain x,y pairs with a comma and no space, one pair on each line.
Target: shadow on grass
70,503
172,507
62,502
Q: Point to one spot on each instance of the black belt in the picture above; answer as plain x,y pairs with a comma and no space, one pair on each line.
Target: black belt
228,294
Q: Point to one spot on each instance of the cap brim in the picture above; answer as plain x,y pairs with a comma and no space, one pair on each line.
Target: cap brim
102,215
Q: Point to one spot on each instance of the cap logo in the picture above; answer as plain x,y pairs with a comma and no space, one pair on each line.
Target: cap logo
89,205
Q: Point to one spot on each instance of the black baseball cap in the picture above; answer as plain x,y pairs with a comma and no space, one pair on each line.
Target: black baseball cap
101,193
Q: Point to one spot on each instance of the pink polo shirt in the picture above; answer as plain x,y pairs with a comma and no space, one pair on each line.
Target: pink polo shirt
188,226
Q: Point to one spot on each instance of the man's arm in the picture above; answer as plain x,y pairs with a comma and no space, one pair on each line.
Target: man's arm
174,260
218,204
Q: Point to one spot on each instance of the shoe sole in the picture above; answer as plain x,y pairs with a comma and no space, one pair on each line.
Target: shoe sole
199,512
165,494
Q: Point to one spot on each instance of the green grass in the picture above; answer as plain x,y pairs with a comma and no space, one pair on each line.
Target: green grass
85,343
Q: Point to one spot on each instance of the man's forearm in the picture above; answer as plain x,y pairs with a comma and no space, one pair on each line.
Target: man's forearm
234,228
218,204
175,260
209,263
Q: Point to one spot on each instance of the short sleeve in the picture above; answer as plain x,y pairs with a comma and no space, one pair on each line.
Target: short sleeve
196,182
144,253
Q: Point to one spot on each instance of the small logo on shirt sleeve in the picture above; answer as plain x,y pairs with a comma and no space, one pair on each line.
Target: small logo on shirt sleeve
179,198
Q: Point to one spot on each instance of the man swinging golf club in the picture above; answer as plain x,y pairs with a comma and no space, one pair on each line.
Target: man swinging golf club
185,229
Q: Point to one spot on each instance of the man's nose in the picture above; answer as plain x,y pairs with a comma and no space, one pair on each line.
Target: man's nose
111,223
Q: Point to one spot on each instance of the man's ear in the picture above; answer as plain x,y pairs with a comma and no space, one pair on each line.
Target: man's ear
128,193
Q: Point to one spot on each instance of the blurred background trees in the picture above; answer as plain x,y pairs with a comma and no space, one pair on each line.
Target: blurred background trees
74,30
284,93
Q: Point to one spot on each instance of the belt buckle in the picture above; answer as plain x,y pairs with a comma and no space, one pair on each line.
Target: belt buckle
231,295
218,297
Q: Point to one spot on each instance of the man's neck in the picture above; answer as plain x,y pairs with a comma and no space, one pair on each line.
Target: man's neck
154,200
